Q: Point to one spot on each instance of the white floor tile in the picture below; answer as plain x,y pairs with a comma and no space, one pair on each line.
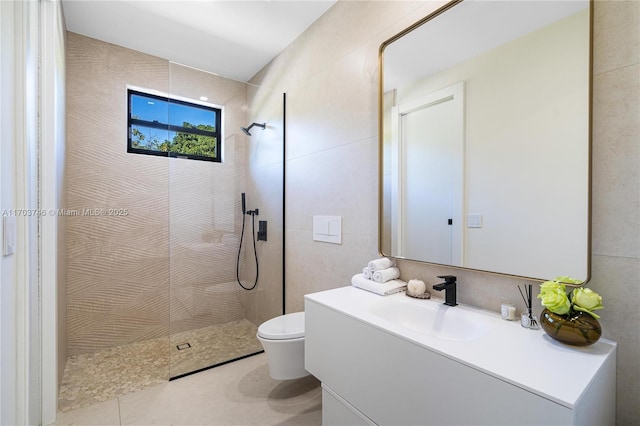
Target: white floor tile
101,413
240,393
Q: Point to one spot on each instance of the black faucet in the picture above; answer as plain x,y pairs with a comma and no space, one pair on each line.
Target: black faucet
449,287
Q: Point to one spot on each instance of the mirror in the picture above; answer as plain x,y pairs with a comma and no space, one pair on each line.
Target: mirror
485,138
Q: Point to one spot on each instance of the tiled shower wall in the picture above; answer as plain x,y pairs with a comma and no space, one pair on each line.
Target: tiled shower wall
117,267
265,192
330,76
204,211
174,252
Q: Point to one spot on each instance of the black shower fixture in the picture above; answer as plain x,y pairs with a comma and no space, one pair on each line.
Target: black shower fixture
262,236
246,129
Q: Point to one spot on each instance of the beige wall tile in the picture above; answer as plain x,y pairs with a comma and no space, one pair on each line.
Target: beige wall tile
315,266
616,163
339,181
619,46
617,279
112,262
319,118
265,169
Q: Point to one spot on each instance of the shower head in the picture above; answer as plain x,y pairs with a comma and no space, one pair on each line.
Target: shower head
246,129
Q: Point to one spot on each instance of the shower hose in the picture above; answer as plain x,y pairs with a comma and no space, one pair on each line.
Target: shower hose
255,253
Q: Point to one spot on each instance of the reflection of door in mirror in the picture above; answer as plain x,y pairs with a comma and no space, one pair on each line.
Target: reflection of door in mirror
427,139
521,193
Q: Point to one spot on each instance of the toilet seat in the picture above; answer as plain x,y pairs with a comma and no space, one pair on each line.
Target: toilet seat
284,327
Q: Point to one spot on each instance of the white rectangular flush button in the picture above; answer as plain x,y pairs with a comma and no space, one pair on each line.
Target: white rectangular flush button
327,229
474,221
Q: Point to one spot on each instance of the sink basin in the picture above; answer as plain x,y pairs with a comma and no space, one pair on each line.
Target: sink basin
432,318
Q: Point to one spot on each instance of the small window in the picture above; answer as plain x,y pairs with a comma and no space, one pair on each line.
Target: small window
173,128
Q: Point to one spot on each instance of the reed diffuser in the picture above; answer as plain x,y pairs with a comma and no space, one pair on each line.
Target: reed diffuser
528,320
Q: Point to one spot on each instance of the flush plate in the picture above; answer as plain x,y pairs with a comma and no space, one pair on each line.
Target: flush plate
327,229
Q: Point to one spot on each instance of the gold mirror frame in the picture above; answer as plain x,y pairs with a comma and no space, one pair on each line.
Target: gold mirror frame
381,92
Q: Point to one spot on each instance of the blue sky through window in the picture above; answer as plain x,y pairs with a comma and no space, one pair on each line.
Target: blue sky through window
152,109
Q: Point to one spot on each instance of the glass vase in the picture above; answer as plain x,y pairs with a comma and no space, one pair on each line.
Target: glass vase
577,329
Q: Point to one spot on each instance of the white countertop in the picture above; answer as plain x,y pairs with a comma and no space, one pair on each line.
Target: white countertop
525,358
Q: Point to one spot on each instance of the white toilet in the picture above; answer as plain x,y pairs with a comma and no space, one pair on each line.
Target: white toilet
283,341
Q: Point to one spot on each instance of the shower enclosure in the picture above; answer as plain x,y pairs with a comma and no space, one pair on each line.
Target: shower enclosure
151,292
212,318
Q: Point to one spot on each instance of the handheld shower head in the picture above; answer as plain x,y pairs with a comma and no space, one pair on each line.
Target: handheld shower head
246,129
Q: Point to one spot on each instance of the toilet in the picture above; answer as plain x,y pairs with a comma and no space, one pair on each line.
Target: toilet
283,341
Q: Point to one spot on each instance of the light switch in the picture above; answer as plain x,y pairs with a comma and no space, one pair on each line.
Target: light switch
327,229
9,235
474,221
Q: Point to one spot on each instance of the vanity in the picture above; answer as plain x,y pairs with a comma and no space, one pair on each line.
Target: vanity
395,360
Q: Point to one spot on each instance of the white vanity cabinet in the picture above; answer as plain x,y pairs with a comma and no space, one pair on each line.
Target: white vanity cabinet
374,371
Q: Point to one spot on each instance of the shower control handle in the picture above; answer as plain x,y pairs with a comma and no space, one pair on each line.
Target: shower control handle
262,230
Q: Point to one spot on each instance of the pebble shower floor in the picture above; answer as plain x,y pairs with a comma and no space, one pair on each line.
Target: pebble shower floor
113,372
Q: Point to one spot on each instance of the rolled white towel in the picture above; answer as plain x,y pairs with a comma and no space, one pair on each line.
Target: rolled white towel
383,289
382,263
385,275
366,272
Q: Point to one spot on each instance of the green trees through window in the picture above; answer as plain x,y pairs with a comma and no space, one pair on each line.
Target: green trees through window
169,127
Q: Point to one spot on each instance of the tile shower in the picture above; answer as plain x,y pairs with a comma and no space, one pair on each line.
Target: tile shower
163,276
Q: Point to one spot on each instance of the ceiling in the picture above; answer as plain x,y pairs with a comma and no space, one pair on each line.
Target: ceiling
235,39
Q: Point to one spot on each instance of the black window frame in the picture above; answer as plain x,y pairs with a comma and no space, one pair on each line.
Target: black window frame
217,134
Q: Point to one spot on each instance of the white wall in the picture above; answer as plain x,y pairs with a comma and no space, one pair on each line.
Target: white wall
52,162
8,296
20,145
20,329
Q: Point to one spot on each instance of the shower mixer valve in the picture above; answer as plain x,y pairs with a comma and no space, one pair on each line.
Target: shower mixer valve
262,230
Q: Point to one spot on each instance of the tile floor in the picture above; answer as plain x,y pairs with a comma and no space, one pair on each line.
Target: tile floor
114,372
239,393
